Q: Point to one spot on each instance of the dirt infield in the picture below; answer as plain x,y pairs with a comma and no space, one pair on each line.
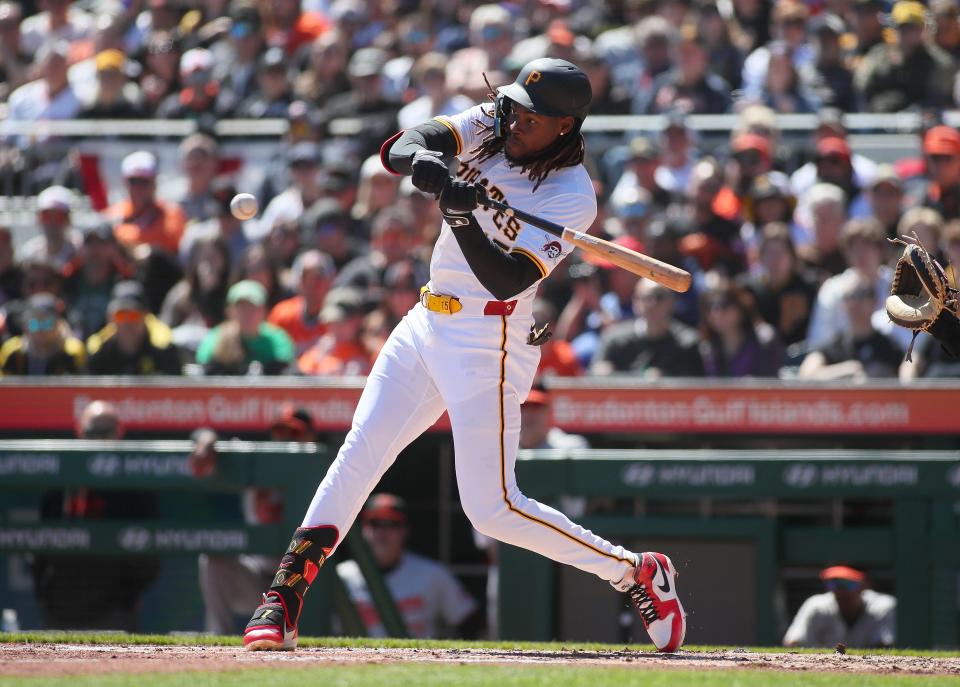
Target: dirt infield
79,659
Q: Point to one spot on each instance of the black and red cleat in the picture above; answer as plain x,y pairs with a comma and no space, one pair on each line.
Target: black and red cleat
654,595
270,628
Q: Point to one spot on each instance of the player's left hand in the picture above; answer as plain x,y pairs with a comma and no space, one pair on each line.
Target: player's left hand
459,198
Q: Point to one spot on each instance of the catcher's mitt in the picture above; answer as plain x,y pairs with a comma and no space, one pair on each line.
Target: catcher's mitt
922,300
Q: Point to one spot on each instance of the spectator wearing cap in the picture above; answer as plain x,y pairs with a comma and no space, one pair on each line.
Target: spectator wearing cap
538,429
414,37
245,343
886,198
630,214
288,26
135,342
751,154
714,240
830,125
393,238
490,38
402,282
946,17
161,69
643,159
734,340
582,319
90,276
274,91
235,56
36,276
863,242
364,102
50,96
651,345
221,223
306,187
341,351
14,59
637,55
827,78
783,293
59,242
141,218
941,149
848,613
46,347
834,165
199,91
58,21
910,72
299,315
328,227
114,96
227,582
690,87
789,29
431,601
867,20
768,200
199,158
258,264
429,77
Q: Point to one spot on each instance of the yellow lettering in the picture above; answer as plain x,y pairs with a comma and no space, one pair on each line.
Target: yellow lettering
533,77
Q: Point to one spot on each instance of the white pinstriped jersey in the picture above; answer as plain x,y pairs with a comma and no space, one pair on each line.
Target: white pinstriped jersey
565,197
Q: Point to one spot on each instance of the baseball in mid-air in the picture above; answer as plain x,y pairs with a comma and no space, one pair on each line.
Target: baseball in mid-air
243,206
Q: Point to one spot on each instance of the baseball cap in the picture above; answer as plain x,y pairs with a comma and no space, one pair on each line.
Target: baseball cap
247,290
559,33
886,174
102,231
127,295
196,60
295,418
749,141
367,62
55,198
341,303
908,12
842,572
827,22
139,165
384,507
833,145
110,60
642,148
942,140
272,58
43,304
304,151
768,186
634,204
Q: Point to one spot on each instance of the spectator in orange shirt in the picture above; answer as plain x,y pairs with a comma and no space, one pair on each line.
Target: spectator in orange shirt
142,219
290,28
556,355
299,316
341,351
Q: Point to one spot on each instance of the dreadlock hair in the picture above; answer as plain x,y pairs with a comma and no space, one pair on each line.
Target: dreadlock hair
566,151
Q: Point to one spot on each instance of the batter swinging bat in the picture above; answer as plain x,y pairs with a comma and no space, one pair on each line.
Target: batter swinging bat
643,265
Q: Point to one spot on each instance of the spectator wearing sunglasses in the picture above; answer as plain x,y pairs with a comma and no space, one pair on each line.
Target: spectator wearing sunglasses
141,218
46,347
846,613
134,342
430,599
859,351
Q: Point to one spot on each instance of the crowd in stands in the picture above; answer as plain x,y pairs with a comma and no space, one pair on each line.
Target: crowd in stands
788,245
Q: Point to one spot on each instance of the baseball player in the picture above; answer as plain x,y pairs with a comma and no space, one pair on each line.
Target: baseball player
468,347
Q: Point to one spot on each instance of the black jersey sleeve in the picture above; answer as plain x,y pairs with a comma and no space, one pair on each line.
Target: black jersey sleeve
505,275
397,153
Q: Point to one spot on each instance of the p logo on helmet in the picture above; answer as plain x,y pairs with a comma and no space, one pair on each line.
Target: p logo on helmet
533,77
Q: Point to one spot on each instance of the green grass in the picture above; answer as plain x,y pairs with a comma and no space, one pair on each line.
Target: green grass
424,675
309,642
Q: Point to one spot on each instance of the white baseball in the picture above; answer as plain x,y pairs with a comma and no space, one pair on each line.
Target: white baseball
243,206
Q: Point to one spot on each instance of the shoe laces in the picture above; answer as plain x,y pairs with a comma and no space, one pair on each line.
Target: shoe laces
645,604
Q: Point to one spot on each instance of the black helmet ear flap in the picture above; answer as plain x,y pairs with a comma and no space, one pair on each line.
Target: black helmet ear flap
501,115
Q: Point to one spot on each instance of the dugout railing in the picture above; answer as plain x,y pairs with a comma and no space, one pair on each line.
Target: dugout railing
183,528
891,512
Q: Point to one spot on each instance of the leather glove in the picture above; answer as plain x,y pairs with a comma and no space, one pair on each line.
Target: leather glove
458,200
430,172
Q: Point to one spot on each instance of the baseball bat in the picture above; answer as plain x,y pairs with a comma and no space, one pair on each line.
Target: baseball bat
672,277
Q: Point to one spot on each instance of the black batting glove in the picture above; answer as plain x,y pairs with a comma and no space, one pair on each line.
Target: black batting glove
430,172
459,198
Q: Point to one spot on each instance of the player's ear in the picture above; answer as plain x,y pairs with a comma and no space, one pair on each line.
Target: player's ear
566,125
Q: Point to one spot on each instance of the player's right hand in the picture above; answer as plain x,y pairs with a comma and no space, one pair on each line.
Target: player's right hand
430,172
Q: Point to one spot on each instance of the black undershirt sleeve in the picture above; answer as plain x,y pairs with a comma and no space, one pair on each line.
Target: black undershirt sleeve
430,135
505,275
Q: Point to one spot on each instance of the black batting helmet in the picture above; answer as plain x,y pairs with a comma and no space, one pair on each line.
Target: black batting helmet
551,87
